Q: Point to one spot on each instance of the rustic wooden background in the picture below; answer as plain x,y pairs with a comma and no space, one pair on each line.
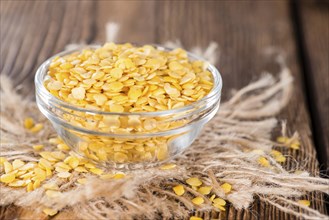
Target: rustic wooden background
32,31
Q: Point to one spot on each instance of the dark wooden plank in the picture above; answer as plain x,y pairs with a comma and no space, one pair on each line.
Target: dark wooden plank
244,29
242,37
314,39
32,31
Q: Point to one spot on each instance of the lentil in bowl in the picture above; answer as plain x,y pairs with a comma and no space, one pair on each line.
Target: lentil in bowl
125,106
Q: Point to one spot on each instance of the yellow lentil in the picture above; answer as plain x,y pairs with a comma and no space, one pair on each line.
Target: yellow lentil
194,181
28,123
263,161
38,147
280,159
90,165
63,147
8,167
197,200
36,128
74,162
282,139
40,173
205,190
295,145
7,178
57,155
55,141
220,207
78,93
50,186
119,176
17,164
278,156
179,190
45,163
212,197
96,171
168,166
2,160
29,187
226,187
36,184
49,211
63,166
47,155
304,202
219,201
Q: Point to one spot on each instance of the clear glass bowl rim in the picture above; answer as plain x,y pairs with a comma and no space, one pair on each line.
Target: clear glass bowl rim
42,71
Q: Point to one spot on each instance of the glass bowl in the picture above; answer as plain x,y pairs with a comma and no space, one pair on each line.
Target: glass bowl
127,140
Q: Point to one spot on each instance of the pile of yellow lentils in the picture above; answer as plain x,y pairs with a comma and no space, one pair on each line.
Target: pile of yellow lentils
124,78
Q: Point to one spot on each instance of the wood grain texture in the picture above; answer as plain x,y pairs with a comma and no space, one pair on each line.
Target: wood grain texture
314,22
32,31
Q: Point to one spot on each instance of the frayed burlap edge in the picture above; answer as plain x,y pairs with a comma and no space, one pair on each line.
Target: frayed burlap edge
227,151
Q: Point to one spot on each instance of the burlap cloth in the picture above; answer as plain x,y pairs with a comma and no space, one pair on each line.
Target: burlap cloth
227,151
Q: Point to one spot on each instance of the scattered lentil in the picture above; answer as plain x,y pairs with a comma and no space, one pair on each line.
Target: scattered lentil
282,139
96,171
304,202
179,190
197,200
205,190
49,211
118,176
194,181
36,128
219,201
291,142
220,207
295,145
277,155
226,187
212,197
263,162
8,177
168,166
28,123
38,147
17,164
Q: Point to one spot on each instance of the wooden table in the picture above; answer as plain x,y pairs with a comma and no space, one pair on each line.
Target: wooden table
32,31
